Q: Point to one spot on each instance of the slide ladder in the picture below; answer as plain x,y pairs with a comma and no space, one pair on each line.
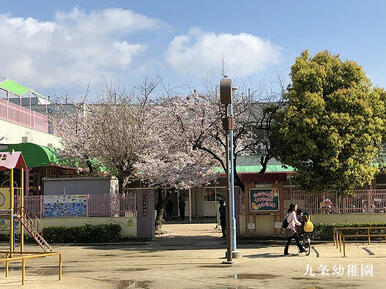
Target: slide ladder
32,227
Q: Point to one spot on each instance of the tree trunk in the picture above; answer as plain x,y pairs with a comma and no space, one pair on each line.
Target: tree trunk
122,181
162,201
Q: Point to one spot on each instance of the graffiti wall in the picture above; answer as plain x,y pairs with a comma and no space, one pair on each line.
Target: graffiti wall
65,205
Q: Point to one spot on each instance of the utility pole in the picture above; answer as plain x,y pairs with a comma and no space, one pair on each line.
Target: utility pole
228,125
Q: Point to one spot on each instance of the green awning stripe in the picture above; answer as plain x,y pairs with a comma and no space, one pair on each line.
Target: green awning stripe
256,169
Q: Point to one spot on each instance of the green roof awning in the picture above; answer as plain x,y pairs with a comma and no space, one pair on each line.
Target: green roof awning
34,155
256,169
13,87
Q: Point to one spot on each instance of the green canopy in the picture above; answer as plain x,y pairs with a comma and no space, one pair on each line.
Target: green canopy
34,155
13,87
42,156
256,169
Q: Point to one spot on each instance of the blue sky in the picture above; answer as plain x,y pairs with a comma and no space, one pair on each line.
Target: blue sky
59,47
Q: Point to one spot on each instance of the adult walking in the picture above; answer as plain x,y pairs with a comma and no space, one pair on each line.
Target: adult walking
222,217
181,205
291,232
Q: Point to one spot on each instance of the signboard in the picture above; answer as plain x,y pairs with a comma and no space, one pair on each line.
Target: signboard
263,199
65,206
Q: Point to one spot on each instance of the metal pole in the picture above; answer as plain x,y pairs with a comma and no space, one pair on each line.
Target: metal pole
11,229
6,116
60,267
22,271
6,265
232,181
229,194
22,210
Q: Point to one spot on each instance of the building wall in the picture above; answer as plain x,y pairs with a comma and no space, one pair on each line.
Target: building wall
89,185
128,224
14,133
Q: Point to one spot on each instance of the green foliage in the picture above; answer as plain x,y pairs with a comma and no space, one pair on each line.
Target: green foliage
325,231
83,234
331,128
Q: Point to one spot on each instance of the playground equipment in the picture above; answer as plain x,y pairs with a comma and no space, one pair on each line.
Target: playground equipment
12,208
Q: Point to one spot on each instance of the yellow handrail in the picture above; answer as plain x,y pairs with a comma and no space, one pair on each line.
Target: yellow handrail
340,238
23,260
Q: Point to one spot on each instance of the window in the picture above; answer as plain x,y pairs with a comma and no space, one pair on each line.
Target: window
209,194
214,194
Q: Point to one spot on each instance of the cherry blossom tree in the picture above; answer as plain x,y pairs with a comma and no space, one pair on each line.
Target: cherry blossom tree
113,131
169,159
199,122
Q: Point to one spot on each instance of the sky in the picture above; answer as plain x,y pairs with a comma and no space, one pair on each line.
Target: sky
68,47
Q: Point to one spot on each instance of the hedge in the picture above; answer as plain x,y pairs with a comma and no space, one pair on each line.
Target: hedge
324,231
83,234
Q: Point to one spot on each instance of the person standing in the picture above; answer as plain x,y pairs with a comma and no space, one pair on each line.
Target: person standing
181,206
169,210
291,232
222,217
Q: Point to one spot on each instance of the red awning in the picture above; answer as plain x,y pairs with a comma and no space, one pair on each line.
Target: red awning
12,160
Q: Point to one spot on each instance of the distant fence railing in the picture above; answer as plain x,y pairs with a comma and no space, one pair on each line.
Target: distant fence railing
361,201
24,116
97,205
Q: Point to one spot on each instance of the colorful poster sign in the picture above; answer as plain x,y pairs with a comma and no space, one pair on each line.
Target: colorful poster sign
263,199
65,206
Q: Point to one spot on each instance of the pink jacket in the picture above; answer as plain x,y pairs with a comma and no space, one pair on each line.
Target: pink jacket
292,221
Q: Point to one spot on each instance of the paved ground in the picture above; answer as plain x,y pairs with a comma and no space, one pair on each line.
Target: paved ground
191,256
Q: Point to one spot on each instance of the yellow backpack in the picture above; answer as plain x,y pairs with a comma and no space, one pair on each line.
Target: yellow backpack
308,226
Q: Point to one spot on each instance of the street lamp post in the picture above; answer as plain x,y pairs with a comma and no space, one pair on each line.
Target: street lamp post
228,124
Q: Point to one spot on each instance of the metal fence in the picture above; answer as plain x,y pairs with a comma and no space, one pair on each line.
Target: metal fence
24,116
98,205
361,201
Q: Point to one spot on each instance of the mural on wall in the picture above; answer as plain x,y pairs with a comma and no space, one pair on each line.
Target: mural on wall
65,206
264,199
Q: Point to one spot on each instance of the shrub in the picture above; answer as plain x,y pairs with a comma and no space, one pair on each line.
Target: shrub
324,231
83,234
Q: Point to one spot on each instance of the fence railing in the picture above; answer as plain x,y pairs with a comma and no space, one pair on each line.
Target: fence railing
98,205
24,116
361,201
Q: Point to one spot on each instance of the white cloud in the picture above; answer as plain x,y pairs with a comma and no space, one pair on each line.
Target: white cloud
199,52
73,48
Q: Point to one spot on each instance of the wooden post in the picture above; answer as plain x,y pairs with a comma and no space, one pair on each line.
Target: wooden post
368,235
60,266
22,271
334,236
340,241
344,247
